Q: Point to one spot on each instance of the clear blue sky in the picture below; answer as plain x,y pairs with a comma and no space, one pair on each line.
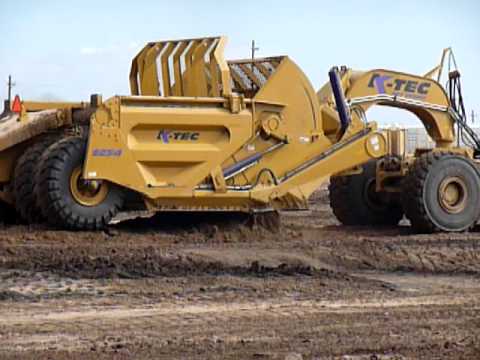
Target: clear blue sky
70,49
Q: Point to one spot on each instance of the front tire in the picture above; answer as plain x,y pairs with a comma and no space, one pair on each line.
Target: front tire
68,201
442,193
355,202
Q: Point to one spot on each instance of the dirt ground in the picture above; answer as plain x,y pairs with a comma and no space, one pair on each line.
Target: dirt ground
214,287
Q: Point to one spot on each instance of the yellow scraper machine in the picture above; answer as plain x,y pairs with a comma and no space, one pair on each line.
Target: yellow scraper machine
199,133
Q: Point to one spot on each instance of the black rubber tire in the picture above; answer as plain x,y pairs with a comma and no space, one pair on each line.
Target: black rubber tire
8,214
421,186
54,195
24,183
353,204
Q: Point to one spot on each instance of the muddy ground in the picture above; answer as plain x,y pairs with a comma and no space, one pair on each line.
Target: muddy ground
212,287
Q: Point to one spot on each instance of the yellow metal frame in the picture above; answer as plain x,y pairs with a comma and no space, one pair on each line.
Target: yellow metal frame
236,109
187,60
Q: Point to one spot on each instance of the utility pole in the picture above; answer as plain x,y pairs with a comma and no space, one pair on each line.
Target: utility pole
10,86
254,49
252,84
474,115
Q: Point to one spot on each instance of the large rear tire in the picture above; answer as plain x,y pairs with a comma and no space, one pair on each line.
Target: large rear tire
24,184
69,201
442,193
354,200
8,214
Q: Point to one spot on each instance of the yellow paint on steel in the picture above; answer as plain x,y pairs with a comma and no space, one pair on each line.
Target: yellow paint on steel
177,70
149,75
186,60
435,117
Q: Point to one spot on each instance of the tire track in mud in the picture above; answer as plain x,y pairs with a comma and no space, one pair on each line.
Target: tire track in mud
194,325
182,313
222,289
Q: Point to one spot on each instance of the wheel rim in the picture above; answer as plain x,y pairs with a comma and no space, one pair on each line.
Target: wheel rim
453,194
87,192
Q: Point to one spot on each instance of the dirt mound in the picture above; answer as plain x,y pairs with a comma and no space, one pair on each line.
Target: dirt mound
105,262
397,250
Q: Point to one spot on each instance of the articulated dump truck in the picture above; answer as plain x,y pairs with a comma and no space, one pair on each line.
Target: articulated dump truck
199,133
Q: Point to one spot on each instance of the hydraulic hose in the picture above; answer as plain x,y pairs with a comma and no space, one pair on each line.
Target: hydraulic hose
339,96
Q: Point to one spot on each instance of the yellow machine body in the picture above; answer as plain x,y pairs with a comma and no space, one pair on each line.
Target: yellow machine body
199,132
194,116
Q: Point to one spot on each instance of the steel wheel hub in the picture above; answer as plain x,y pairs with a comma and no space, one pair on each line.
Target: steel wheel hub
87,192
453,194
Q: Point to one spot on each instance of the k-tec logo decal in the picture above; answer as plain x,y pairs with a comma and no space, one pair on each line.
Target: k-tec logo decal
400,86
166,136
